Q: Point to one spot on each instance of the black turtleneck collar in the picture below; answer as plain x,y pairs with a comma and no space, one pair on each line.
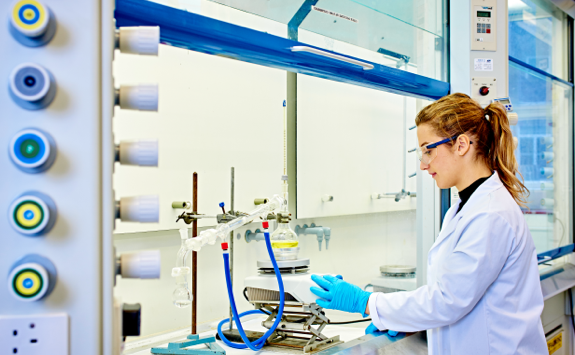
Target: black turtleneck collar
466,193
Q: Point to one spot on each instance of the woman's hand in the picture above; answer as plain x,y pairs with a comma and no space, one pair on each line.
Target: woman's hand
372,329
338,294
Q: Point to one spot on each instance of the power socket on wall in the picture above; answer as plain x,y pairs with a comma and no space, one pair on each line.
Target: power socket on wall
34,334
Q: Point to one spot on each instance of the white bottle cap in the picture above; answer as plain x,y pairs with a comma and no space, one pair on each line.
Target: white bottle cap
141,153
141,265
143,209
139,40
139,97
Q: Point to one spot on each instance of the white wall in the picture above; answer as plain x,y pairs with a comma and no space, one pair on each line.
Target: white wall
359,245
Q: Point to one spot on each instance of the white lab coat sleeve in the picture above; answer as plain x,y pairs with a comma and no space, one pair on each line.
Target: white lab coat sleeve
462,277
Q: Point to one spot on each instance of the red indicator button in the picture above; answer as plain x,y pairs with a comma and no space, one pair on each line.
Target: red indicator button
488,31
484,90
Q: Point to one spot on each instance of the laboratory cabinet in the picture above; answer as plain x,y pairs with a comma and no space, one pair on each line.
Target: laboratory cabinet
351,144
556,321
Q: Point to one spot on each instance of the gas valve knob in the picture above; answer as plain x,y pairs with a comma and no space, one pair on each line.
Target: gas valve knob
32,23
32,86
32,278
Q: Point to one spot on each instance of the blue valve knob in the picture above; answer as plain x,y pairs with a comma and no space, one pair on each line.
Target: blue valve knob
222,204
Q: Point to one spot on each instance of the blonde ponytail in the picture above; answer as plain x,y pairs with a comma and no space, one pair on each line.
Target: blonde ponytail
502,153
457,114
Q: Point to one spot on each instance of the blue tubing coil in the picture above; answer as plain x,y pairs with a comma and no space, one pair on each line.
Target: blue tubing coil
259,343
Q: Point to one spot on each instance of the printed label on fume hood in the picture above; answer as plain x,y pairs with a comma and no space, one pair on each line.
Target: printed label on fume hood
483,64
345,17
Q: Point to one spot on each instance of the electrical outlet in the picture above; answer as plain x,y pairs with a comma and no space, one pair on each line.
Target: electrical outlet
34,334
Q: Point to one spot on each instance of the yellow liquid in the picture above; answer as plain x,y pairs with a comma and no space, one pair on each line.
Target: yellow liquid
285,244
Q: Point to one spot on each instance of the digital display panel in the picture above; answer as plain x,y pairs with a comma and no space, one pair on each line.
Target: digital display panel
505,102
483,13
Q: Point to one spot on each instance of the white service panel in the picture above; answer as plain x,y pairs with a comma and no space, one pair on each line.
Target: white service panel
350,147
484,25
51,162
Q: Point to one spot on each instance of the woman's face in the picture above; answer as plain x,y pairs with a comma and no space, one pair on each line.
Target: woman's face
444,167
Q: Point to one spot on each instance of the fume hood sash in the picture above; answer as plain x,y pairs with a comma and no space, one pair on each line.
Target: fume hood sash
199,33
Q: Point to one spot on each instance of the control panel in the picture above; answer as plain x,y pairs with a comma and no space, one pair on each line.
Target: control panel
50,196
483,25
56,199
483,89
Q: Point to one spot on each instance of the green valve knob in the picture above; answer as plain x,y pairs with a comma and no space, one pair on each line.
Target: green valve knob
32,214
32,278
32,150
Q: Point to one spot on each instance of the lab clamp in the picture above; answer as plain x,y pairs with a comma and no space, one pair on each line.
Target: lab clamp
321,233
225,217
182,296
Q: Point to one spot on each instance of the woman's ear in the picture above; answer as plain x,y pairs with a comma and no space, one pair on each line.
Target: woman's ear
462,144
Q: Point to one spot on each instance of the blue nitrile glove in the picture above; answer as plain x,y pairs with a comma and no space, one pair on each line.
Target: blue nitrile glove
338,294
372,329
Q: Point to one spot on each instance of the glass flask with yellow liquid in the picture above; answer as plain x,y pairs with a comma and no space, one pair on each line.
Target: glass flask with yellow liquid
285,244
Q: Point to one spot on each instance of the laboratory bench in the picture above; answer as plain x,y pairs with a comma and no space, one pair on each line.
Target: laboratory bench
354,337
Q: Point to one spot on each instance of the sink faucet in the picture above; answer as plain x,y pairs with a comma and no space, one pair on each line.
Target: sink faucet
320,232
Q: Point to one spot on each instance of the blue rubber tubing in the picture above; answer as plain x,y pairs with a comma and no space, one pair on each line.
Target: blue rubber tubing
257,344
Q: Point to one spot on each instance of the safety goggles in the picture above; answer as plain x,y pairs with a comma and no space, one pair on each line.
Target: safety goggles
427,153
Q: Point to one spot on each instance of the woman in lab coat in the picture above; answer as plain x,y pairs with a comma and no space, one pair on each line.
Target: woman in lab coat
483,294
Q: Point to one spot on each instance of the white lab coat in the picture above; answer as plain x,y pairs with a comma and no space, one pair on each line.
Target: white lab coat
483,294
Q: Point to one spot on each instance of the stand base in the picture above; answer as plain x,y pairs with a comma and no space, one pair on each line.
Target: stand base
193,339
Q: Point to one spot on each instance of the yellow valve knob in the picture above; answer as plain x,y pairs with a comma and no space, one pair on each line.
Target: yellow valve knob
32,23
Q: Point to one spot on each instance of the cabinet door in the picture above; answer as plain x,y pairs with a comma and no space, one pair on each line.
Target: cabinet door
350,145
